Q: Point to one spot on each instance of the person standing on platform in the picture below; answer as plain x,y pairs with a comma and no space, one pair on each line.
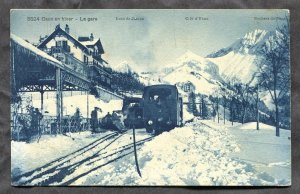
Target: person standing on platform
94,119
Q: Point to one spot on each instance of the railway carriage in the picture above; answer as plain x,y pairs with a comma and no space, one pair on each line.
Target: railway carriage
134,112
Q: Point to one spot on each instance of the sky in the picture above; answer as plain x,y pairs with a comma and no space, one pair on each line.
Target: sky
156,38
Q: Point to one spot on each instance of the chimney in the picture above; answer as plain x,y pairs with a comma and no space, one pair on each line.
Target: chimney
57,26
67,29
91,37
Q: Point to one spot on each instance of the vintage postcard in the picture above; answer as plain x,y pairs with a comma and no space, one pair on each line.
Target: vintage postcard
150,98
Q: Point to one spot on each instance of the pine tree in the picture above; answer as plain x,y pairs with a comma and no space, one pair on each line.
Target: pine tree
192,103
204,110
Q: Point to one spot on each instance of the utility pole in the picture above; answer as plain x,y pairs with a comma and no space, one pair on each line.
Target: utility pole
58,100
42,100
87,110
257,111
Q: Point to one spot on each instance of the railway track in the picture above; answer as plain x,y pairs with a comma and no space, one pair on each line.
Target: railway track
60,161
58,171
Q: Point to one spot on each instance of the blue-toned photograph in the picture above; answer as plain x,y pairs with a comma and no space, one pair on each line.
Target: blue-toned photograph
122,97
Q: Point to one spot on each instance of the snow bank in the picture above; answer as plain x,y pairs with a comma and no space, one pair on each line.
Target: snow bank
268,154
192,155
26,157
201,153
252,126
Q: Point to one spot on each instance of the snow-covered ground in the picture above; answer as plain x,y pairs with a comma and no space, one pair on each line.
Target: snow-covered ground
269,155
200,153
26,157
266,152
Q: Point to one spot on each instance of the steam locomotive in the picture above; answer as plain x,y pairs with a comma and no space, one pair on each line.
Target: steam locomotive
162,108
159,110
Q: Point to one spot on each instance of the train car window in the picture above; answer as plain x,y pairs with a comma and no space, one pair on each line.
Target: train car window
133,104
160,94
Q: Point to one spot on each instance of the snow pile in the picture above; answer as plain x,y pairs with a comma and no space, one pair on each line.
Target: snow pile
192,155
26,157
268,154
186,156
187,116
201,153
252,126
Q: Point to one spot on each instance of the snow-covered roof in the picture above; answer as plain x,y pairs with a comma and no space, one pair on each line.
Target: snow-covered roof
59,30
32,48
83,45
89,42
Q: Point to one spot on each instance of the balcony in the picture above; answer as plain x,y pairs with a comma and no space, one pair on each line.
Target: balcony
75,64
99,66
60,49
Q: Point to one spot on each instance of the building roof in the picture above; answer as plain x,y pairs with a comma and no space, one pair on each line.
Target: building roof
33,49
91,43
80,44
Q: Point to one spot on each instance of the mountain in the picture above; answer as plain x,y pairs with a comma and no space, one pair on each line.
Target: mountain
202,73
249,44
239,59
124,67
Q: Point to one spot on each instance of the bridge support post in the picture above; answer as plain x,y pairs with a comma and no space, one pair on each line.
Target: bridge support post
42,100
87,110
58,100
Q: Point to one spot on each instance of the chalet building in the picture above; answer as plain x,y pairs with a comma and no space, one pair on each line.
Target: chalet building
188,87
82,55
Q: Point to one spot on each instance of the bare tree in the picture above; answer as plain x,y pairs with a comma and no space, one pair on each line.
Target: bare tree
257,107
243,94
225,94
274,70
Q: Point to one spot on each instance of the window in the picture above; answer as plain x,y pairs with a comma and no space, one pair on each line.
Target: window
85,59
61,43
157,94
96,50
108,81
102,78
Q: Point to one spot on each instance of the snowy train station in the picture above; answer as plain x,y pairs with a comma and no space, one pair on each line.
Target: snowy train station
77,119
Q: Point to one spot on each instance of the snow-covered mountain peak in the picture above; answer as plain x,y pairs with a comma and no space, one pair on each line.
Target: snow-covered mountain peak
239,59
189,56
124,67
249,44
192,68
191,62
253,37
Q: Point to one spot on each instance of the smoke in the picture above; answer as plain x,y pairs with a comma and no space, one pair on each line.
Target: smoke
143,52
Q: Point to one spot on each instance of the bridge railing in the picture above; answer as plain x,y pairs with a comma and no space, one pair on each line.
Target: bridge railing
23,127
76,65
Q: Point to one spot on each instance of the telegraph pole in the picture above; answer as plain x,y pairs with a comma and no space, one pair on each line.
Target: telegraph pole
87,110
